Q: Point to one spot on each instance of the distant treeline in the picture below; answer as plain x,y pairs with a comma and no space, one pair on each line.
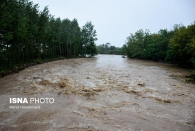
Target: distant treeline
28,35
176,46
109,49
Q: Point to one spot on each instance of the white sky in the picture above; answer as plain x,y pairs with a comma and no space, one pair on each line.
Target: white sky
114,20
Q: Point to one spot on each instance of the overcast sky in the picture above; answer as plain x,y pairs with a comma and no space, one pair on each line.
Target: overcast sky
114,20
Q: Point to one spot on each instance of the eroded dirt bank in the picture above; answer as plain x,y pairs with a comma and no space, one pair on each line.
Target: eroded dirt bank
105,93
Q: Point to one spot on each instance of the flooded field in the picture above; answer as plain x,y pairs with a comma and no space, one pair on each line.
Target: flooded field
105,93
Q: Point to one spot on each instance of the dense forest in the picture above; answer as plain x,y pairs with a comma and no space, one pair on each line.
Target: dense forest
176,46
28,35
109,49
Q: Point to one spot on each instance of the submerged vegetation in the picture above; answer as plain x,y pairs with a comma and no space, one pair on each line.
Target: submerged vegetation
176,46
28,36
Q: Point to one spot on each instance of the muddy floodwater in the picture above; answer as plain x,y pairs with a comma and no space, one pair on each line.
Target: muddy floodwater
105,93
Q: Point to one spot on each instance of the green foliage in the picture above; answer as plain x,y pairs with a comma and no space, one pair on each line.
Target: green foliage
182,46
38,61
177,46
144,45
28,35
88,38
135,44
109,49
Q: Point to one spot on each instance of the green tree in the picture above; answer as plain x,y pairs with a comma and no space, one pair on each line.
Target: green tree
75,37
28,35
179,48
88,38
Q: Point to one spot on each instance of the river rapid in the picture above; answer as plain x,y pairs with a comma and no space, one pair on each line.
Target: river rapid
104,93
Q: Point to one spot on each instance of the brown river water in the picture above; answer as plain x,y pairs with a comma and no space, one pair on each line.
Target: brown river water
105,93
